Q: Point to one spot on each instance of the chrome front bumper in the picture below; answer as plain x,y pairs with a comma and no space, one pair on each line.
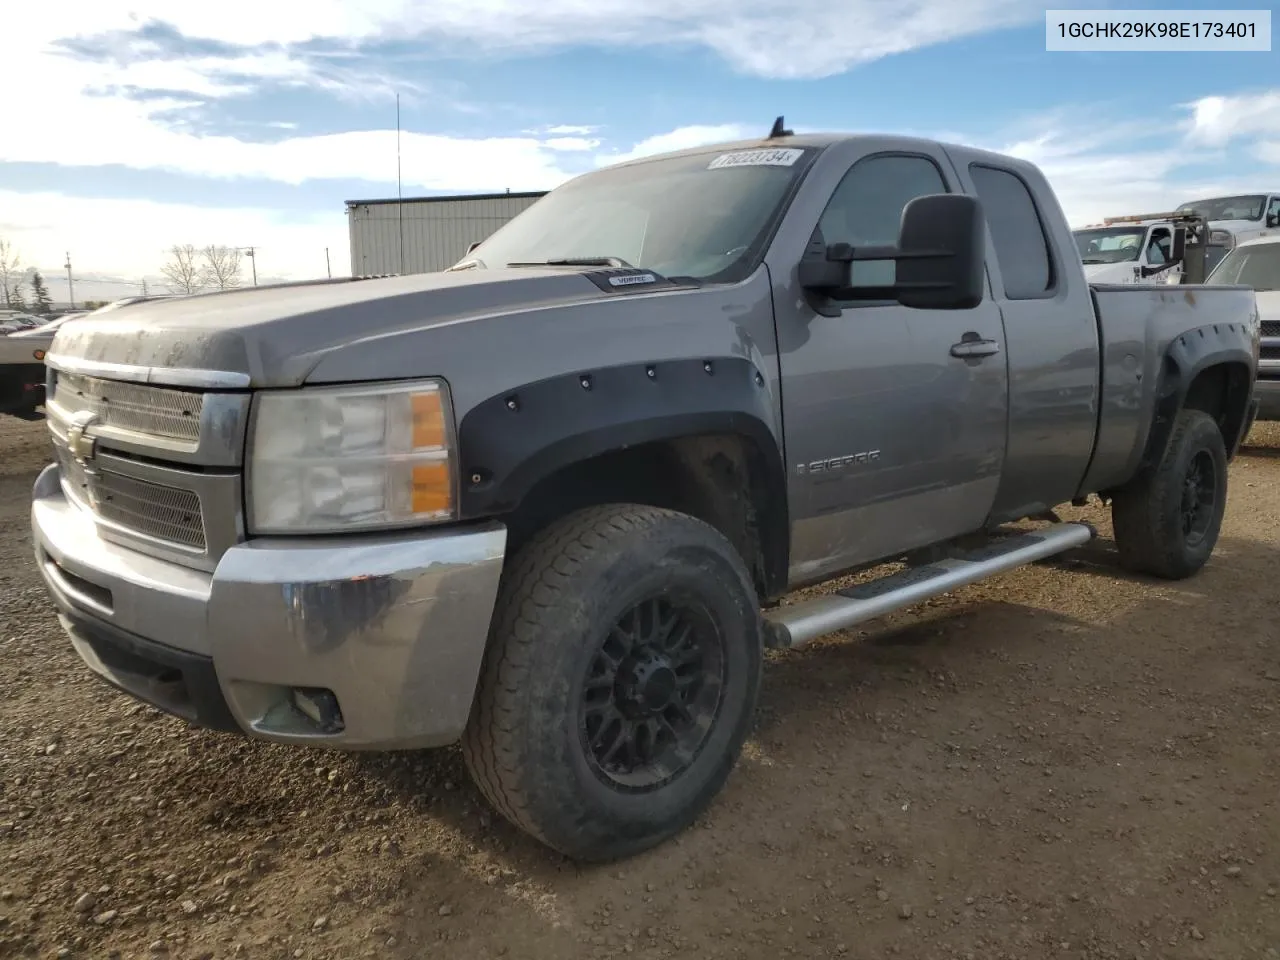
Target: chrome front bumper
391,628
1267,394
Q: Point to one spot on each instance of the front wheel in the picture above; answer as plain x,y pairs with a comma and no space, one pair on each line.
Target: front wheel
1168,523
620,680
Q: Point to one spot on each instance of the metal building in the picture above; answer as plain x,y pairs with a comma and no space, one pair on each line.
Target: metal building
425,234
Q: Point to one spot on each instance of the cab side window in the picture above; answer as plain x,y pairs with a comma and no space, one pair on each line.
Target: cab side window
1158,251
1272,217
1022,245
866,208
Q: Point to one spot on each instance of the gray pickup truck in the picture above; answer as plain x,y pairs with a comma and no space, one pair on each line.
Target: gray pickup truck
548,503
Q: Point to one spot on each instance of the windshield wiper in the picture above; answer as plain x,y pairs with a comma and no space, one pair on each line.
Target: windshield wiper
574,262
1094,260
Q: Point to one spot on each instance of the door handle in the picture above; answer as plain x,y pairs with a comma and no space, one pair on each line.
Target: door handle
970,349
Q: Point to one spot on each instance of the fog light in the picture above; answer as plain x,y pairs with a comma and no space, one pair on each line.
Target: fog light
320,707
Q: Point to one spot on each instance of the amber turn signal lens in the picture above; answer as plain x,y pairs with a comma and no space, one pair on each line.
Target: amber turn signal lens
428,420
431,488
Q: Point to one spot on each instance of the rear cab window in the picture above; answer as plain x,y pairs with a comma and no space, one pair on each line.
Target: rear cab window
1021,242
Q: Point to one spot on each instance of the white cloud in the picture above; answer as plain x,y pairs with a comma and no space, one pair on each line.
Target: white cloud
779,38
570,144
1219,120
566,129
83,117
682,138
129,238
1101,169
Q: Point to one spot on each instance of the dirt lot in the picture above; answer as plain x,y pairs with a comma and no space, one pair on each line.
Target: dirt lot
1064,762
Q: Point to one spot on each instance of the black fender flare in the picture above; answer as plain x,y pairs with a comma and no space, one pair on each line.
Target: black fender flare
511,441
1187,356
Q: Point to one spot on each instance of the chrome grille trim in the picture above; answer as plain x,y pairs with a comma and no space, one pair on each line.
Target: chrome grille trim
133,407
168,514
167,376
158,470
165,513
207,429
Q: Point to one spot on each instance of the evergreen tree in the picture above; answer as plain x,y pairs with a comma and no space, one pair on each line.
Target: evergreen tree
42,302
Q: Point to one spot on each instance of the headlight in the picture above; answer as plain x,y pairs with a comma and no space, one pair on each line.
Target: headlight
337,459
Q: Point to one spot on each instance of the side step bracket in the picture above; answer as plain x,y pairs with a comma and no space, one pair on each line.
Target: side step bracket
796,625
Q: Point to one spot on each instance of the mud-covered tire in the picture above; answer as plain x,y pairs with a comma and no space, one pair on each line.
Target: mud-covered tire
1167,523
534,741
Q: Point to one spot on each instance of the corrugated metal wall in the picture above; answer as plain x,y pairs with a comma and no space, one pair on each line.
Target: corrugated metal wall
436,232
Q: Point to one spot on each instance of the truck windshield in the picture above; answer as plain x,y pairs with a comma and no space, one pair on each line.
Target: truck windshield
1110,244
1227,208
705,216
1255,266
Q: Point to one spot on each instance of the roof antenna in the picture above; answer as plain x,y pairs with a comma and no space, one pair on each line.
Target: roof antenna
778,130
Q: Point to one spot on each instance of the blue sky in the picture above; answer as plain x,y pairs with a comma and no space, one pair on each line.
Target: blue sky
145,124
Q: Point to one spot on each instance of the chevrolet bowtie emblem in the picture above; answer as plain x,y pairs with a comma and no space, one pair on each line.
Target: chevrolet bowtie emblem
80,444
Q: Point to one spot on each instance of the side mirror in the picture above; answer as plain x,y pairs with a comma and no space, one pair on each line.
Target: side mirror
1273,219
939,259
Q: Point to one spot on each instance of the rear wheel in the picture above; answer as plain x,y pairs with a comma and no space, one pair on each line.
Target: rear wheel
620,680
1167,524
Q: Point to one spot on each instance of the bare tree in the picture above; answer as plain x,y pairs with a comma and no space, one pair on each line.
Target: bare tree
221,266
11,274
181,271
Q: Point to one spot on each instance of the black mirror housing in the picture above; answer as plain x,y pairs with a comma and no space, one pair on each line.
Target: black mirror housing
939,258
944,240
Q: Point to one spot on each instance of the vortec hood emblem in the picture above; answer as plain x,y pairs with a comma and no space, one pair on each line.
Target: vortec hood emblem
80,444
633,278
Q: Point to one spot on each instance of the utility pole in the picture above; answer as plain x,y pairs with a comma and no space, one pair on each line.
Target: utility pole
252,260
327,269
144,286
399,189
71,294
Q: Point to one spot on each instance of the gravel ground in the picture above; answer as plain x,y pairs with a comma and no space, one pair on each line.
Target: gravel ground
1063,762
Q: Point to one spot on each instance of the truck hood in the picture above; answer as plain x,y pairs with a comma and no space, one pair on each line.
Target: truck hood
274,336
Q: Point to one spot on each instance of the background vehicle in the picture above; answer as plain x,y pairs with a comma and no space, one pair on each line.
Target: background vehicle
1256,263
22,351
536,503
13,322
1237,219
1148,248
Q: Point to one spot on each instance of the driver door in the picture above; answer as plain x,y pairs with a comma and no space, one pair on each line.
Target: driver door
895,437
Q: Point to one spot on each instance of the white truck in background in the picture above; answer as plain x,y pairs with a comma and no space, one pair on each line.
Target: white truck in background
1148,248
1233,220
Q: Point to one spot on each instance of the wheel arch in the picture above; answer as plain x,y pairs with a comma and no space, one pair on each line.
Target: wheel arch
1210,369
694,435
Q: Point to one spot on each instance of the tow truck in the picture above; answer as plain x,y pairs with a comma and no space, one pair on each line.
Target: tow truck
1160,248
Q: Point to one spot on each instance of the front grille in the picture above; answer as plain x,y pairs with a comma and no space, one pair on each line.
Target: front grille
156,411
1269,353
166,513
1271,328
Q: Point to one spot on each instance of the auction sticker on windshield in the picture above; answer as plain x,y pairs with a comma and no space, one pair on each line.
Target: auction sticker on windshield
777,157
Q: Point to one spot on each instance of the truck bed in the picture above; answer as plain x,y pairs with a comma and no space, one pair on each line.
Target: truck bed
1137,327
